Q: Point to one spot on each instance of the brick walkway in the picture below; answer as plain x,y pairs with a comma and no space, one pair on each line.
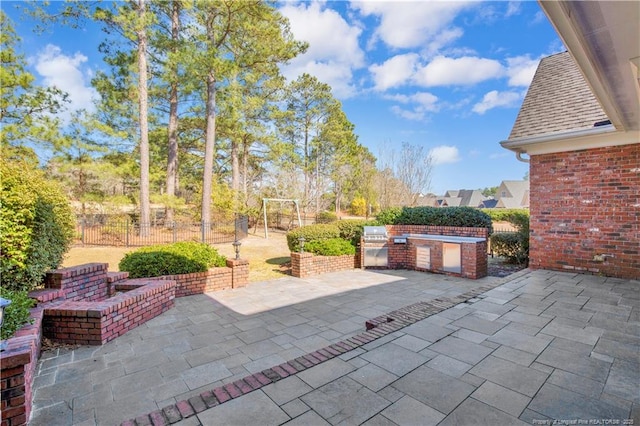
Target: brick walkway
544,345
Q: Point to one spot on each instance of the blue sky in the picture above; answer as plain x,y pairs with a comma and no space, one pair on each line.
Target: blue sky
446,75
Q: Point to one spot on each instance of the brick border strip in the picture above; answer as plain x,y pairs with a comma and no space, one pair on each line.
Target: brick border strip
376,328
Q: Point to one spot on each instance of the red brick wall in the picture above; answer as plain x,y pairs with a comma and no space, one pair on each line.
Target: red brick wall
474,257
201,282
96,323
306,264
83,282
18,364
458,231
586,203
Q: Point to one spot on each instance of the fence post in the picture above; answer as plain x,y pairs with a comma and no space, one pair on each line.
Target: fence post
202,231
175,232
127,233
82,230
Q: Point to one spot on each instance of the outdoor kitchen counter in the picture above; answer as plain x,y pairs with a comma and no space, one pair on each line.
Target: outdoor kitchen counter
443,238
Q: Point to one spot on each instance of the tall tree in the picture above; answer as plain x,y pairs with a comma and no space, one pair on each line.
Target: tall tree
308,102
27,111
145,203
236,35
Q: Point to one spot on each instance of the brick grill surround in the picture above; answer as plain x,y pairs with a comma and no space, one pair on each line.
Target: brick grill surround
585,204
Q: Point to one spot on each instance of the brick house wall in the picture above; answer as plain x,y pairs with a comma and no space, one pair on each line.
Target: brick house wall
585,204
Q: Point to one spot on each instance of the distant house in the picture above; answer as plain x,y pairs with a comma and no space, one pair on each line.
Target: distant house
579,126
513,194
461,198
488,204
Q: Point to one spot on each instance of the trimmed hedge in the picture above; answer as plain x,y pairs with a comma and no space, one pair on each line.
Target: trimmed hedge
436,216
171,259
17,313
311,233
503,215
330,247
36,224
351,229
326,217
389,216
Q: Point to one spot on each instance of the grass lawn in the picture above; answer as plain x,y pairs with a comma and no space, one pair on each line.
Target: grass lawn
265,256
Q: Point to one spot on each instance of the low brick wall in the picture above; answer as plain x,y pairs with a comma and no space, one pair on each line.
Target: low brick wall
86,282
457,231
96,323
18,364
306,264
235,275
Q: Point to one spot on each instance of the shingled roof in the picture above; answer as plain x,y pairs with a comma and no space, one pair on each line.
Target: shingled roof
558,100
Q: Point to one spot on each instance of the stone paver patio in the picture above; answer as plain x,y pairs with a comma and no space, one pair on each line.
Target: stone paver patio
541,346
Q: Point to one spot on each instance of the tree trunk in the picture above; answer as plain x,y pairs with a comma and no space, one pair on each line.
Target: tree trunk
172,156
245,159
145,208
209,149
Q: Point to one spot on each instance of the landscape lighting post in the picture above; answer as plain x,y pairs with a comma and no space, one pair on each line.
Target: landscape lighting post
236,247
3,304
301,240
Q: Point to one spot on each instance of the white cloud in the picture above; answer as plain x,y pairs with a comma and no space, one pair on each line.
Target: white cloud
414,115
333,51
521,69
65,73
442,39
421,104
495,99
467,70
407,25
444,154
394,72
513,8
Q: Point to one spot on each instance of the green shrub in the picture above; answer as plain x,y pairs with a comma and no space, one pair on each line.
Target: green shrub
37,226
171,259
326,217
17,313
311,233
502,215
330,247
509,245
351,229
436,216
389,216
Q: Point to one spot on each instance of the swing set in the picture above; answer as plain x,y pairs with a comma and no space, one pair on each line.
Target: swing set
281,201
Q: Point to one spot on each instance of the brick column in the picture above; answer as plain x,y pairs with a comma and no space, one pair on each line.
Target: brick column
239,272
301,264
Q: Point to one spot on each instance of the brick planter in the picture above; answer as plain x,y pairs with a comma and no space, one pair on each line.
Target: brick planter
96,323
306,264
18,364
235,275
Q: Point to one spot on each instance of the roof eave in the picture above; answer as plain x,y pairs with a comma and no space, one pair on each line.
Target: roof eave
568,30
597,137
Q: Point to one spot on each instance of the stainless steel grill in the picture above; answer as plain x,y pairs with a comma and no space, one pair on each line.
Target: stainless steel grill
374,241
372,234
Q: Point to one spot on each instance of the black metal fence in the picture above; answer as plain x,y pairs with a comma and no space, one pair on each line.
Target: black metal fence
106,231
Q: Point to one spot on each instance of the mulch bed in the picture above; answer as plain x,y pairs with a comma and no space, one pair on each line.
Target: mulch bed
498,267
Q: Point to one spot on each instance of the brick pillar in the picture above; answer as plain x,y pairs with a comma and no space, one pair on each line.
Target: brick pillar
239,272
301,264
